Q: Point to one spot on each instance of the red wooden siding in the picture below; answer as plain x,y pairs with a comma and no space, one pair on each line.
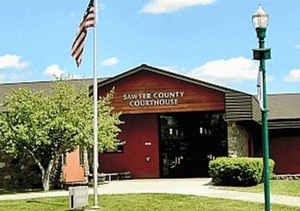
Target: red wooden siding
285,152
195,98
137,130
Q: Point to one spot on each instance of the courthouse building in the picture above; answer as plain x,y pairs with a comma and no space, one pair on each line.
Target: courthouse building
173,125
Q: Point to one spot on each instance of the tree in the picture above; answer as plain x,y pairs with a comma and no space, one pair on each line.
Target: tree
45,125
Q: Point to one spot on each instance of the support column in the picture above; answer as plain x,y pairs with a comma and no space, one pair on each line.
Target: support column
237,140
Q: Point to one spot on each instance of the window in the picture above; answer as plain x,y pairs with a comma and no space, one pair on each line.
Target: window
81,156
64,159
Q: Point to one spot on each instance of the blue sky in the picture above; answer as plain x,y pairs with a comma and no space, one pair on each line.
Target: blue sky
210,40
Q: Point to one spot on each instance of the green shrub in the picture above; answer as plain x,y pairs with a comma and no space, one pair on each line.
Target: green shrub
238,171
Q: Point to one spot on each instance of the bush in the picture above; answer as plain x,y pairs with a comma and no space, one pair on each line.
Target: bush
238,171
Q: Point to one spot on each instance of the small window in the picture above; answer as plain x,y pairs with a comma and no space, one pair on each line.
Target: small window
81,156
64,159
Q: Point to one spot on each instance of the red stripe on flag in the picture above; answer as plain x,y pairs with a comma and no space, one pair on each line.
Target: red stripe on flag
80,33
78,43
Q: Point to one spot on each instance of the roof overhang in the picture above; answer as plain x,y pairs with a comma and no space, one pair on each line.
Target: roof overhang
148,68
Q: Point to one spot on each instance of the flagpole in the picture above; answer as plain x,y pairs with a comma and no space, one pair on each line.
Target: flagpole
95,110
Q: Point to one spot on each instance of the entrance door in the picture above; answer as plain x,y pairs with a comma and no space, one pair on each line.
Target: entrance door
188,141
172,155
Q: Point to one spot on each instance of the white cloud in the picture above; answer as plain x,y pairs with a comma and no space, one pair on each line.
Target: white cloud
226,71
56,72
12,61
110,61
168,6
298,46
293,76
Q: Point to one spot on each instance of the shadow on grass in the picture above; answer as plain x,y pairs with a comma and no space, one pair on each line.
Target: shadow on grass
14,191
43,202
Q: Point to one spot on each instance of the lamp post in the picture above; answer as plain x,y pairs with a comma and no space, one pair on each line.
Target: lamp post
260,21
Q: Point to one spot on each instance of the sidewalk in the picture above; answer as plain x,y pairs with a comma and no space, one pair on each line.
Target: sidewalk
197,186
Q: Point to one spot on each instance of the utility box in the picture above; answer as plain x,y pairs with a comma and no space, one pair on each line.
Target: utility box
78,197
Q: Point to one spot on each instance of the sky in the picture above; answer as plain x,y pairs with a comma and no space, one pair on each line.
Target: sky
210,40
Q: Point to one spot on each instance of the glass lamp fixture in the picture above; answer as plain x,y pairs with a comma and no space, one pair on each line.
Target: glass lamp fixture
260,19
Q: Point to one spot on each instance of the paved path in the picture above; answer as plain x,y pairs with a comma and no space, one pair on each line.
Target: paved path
197,186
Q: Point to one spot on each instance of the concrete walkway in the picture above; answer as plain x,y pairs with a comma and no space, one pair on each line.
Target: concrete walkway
197,186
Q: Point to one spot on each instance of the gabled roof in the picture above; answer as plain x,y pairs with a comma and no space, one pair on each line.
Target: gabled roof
148,68
238,105
284,106
6,88
284,111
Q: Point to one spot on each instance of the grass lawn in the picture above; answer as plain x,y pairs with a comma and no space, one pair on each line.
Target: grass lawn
140,202
280,187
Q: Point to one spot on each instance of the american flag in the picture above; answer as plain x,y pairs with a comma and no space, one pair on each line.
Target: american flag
88,21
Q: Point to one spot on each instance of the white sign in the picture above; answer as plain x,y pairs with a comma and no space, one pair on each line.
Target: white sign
153,98
79,197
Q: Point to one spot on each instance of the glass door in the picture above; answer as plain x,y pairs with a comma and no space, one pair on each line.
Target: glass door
188,141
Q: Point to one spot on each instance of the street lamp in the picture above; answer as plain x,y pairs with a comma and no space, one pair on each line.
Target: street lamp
260,21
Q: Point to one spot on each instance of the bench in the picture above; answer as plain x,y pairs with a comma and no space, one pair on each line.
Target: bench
107,177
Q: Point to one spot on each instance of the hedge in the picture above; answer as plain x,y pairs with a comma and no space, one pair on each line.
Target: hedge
238,171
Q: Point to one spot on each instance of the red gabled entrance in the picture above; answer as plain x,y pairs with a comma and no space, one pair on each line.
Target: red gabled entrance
142,95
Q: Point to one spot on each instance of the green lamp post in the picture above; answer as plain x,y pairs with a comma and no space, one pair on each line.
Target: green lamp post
260,22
